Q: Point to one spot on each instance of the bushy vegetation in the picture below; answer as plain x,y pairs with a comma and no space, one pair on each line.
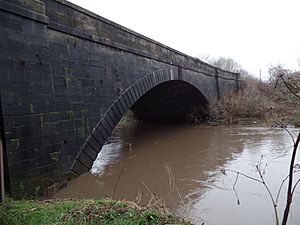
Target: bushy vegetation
259,101
83,212
248,103
295,119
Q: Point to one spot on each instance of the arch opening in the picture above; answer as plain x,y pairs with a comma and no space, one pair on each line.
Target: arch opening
162,96
172,101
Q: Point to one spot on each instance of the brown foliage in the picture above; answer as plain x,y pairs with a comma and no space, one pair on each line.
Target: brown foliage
268,102
247,103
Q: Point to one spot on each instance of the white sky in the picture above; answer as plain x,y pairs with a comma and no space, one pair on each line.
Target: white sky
255,33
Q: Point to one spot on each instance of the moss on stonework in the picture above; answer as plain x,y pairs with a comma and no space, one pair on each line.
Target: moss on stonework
70,115
31,108
30,188
39,187
15,142
80,131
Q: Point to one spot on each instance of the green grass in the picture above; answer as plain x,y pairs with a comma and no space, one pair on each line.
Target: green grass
85,212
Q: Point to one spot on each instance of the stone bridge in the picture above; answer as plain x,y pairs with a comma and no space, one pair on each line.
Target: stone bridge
68,76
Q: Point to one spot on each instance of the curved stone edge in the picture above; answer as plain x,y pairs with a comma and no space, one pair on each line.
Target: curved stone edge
112,116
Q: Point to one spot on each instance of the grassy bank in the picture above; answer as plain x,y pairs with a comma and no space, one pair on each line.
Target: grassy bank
104,211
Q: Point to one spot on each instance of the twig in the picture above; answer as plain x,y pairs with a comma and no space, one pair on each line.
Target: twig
157,202
178,193
148,189
298,181
270,194
119,176
262,181
283,127
172,184
289,134
290,89
245,175
138,198
233,187
280,188
287,130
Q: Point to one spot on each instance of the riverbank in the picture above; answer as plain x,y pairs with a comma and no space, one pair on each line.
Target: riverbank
74,211
260,103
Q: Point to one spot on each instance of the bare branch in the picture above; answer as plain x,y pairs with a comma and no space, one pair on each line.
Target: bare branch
290,89
279,190
287,130
283,181
290,185
294,188
245,175
270,194
262,181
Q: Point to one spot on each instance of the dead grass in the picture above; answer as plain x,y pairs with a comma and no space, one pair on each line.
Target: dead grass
245,104
258,102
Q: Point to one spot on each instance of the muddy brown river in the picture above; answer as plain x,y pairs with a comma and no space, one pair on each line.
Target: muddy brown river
181,165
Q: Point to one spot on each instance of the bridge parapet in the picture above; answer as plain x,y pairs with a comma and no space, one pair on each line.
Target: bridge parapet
71,19
74,20
32,9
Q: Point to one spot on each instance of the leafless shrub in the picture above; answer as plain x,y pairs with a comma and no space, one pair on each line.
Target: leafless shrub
269,102
245,104
278,79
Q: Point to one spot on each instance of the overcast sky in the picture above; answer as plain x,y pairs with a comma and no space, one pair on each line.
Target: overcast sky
255,33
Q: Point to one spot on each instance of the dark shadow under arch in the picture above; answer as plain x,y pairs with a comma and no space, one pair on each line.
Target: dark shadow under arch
171,101
138,97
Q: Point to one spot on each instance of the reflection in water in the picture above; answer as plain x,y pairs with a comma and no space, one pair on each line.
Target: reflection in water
142,154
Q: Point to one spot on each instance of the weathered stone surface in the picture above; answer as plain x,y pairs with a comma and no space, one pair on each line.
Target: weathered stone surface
62,67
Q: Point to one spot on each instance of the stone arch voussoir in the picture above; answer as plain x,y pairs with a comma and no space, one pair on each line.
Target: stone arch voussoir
112,116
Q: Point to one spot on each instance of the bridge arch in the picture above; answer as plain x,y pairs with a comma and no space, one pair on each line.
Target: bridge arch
172,101
133,97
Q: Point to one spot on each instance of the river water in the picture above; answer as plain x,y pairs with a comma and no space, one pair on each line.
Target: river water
182,166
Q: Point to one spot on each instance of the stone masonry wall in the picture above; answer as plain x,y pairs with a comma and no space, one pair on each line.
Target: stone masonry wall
61,67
